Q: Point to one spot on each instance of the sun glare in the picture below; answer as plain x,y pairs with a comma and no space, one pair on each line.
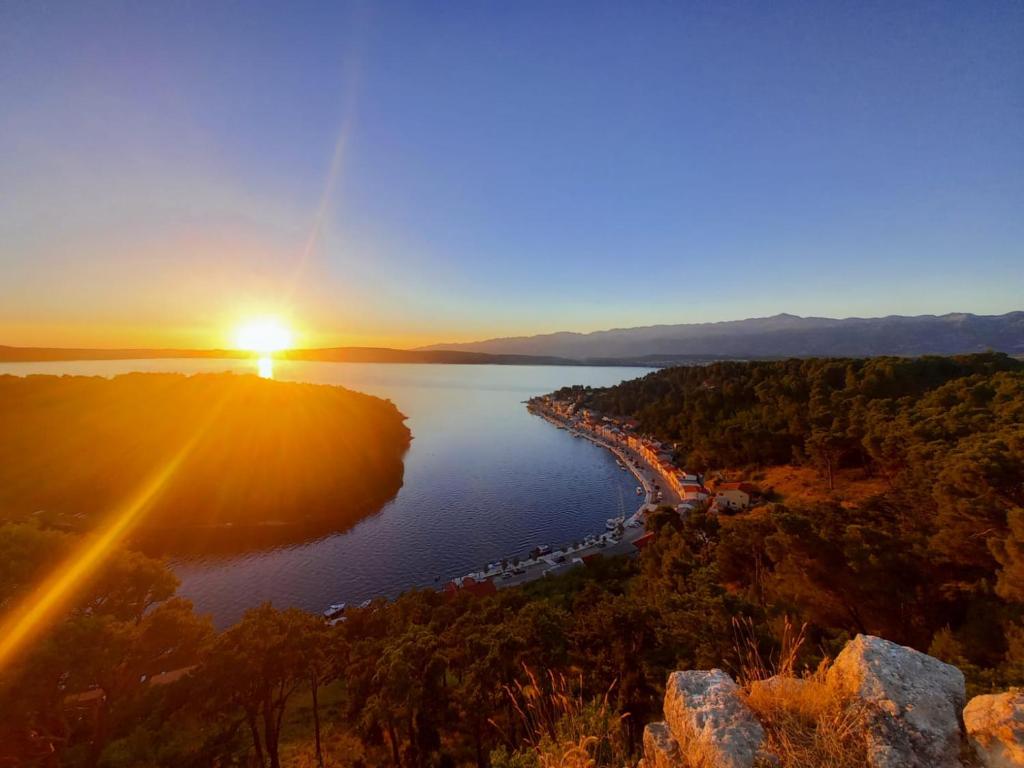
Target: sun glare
264,336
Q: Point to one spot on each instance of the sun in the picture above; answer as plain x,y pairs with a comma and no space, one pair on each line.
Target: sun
264,336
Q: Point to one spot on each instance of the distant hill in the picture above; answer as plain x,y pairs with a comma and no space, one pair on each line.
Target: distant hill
778,336
333,354
54,354
385,355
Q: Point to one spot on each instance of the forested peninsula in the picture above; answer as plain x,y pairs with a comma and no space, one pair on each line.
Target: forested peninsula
212,460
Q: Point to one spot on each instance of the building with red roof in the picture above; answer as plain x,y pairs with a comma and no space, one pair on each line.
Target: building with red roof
644,540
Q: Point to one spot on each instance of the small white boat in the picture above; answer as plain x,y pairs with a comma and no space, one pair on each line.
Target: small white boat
639,491
614,522
334,611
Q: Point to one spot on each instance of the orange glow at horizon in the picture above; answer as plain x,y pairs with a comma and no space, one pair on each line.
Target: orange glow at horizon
219,330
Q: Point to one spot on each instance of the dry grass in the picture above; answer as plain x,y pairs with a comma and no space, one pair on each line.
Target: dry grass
565,730
697,754
569,755
806,724
804,485
341,749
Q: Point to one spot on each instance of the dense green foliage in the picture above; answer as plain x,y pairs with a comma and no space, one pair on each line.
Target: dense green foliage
269,459
938,557
734,414
936,562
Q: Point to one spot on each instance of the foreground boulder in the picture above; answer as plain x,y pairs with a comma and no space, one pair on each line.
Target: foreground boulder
995,727
913,702
709,719
661,750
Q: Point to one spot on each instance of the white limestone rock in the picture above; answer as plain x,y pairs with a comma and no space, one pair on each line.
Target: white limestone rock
913,701
708,716
661,750
995,728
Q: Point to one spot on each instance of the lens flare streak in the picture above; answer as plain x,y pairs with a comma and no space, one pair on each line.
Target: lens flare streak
42,606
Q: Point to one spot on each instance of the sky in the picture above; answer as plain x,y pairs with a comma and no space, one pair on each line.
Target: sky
404,173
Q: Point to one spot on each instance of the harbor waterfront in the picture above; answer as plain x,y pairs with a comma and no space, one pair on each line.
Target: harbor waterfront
484,480
618,539
624,534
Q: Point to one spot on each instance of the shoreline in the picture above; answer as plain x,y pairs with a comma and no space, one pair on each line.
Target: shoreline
603,543
513,571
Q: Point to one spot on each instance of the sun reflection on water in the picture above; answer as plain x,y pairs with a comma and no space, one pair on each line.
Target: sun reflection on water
265,367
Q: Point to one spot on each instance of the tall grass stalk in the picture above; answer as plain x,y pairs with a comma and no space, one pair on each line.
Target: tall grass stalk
563,728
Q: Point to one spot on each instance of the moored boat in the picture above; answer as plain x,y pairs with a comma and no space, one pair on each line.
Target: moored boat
334,611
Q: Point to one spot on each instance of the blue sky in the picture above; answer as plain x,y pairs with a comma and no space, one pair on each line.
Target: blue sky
403,173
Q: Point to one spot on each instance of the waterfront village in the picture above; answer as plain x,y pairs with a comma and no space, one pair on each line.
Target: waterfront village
688,488
661,483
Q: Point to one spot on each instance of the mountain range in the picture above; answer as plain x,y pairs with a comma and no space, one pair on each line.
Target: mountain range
782,335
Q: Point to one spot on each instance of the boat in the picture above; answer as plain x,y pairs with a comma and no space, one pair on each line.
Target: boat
639,491
614,522
334,611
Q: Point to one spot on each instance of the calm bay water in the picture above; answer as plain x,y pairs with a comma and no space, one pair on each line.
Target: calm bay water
483,480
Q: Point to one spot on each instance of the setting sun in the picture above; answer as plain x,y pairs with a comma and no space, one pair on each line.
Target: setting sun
264,336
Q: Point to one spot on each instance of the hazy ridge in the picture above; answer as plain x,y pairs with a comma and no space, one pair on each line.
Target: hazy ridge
782,335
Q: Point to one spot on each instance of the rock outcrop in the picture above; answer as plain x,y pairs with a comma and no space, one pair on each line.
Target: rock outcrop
914,702
912,705
707,716
995,728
